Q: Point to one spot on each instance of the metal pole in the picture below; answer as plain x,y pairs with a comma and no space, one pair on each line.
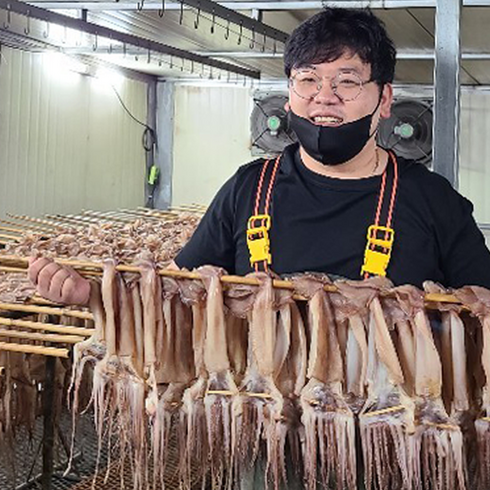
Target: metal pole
49,417
447,89
150,186
241,5
165,147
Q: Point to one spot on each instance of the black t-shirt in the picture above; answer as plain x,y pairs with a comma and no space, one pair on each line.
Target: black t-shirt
320,224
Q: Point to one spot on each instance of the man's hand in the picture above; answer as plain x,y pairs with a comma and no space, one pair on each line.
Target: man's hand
173,266
60,284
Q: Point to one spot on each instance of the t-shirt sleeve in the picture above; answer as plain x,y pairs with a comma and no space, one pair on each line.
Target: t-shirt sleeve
464,254
212,243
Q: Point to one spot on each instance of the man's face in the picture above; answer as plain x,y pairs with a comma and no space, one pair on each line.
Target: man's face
327,108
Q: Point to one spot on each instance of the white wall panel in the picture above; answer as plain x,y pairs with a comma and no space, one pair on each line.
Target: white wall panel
474,175
65,141
211,140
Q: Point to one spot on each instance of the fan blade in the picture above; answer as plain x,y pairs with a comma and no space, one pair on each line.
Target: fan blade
417,119
422,150
398,141
259,136
261,108
392,135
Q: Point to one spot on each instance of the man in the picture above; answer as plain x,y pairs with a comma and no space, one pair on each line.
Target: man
325,192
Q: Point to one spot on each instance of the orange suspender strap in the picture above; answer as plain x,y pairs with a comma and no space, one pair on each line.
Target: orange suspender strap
259,224
380,238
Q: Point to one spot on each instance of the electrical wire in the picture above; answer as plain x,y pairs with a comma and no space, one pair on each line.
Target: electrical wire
148,136
148,142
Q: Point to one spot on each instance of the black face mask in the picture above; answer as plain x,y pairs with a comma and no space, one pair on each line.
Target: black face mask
333,145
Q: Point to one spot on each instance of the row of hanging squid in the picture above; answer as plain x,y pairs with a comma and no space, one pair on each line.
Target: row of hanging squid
368,384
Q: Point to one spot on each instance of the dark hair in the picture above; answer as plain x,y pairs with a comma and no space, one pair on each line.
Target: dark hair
334,31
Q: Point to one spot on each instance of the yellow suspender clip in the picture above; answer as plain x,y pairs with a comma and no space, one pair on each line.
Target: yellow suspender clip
258,240
378,250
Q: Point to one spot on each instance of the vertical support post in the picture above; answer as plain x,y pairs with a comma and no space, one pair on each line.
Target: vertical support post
165,137
447,89
49,417
150,188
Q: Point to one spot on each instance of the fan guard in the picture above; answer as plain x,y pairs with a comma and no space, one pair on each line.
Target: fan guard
408,131
269,126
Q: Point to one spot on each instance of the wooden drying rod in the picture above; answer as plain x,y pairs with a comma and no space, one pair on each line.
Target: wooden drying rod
62,339
95,268
34,349
48,327
63,334
10,269
83,315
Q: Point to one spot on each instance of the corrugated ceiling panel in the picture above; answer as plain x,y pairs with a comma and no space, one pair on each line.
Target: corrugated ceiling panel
211,139
65,141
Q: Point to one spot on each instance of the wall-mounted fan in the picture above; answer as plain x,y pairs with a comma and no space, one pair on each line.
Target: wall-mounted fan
408,131
269,125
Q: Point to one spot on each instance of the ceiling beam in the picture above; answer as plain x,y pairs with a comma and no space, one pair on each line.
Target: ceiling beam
402,54
230,15
259,5
33,12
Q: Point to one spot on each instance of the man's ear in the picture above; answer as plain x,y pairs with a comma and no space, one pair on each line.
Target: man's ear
287,107
386,101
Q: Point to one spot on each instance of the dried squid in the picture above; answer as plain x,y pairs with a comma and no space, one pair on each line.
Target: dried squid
477,299
386,419
328,420
437,444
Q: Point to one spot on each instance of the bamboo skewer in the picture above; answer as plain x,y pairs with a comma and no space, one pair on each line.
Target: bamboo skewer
61,339
94,268
65,219
238,393
125,214
83,315
159,212
37,300
157,218
10,237
11,229
34,349
84,218
33,220
131,217
95,217
154,218
62,221
22,228
101,216
80,220
48,327
12,269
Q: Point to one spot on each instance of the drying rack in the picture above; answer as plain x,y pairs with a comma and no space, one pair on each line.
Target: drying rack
14,229
49,335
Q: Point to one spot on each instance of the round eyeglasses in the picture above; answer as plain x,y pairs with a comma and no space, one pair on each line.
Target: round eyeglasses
346,86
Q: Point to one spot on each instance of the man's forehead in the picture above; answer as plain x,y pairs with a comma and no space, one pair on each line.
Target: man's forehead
352,63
